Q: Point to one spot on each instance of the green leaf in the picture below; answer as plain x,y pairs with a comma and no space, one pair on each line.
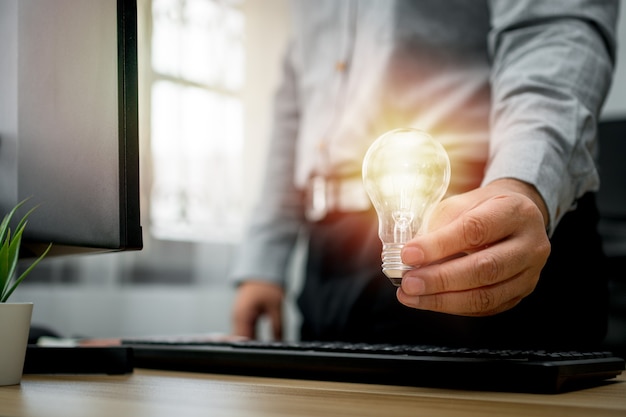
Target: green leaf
17,282
4,226
13,255
10,251
22,223
4,263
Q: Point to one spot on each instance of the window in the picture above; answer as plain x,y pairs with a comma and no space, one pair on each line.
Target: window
196,79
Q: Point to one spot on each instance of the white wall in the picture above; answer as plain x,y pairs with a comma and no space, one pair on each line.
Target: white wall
99,306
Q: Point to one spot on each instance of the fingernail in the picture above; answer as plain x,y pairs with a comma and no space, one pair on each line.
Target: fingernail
412,255
401,295
413,285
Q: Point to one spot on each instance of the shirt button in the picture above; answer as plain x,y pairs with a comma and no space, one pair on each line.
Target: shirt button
341,66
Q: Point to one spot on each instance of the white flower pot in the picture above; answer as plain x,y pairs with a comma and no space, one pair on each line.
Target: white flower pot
14,328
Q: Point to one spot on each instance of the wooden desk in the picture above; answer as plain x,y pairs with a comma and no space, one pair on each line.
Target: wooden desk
177,394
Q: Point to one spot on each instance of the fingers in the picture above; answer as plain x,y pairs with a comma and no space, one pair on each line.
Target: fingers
503,244
485,224
254,300
479,284
488,267
479,302
244,324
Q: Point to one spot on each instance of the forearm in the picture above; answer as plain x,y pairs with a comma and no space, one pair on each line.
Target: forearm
552,71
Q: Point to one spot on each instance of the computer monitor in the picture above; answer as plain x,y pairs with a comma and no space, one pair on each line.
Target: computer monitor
69,123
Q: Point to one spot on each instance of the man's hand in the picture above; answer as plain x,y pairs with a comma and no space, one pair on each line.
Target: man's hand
254,300
483,253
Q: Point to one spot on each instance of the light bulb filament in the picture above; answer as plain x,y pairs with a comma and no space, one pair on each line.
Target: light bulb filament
402,230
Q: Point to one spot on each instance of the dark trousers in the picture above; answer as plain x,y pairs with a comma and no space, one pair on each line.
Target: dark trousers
346,297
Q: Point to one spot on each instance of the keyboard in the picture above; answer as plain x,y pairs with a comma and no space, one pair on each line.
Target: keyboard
408,365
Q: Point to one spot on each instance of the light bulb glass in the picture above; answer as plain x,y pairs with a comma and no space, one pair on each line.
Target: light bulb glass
405,173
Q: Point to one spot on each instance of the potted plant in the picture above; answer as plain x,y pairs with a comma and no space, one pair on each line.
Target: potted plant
14,317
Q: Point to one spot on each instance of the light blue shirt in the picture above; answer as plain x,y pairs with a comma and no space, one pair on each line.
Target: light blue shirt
512,89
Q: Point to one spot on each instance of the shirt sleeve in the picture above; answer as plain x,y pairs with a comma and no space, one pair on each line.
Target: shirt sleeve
551,71
277,217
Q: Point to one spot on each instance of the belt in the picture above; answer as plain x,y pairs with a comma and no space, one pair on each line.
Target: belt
327,195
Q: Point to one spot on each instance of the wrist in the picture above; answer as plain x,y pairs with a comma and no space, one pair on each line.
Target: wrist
526,189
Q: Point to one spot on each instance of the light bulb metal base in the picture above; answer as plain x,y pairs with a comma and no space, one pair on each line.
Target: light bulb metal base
393,267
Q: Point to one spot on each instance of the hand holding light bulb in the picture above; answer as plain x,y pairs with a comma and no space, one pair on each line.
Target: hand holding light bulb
405,173
500,231
485,248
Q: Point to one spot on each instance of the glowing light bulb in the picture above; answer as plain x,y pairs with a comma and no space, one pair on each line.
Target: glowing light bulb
406,173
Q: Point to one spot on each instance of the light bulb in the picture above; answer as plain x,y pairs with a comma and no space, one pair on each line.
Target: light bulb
405,173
